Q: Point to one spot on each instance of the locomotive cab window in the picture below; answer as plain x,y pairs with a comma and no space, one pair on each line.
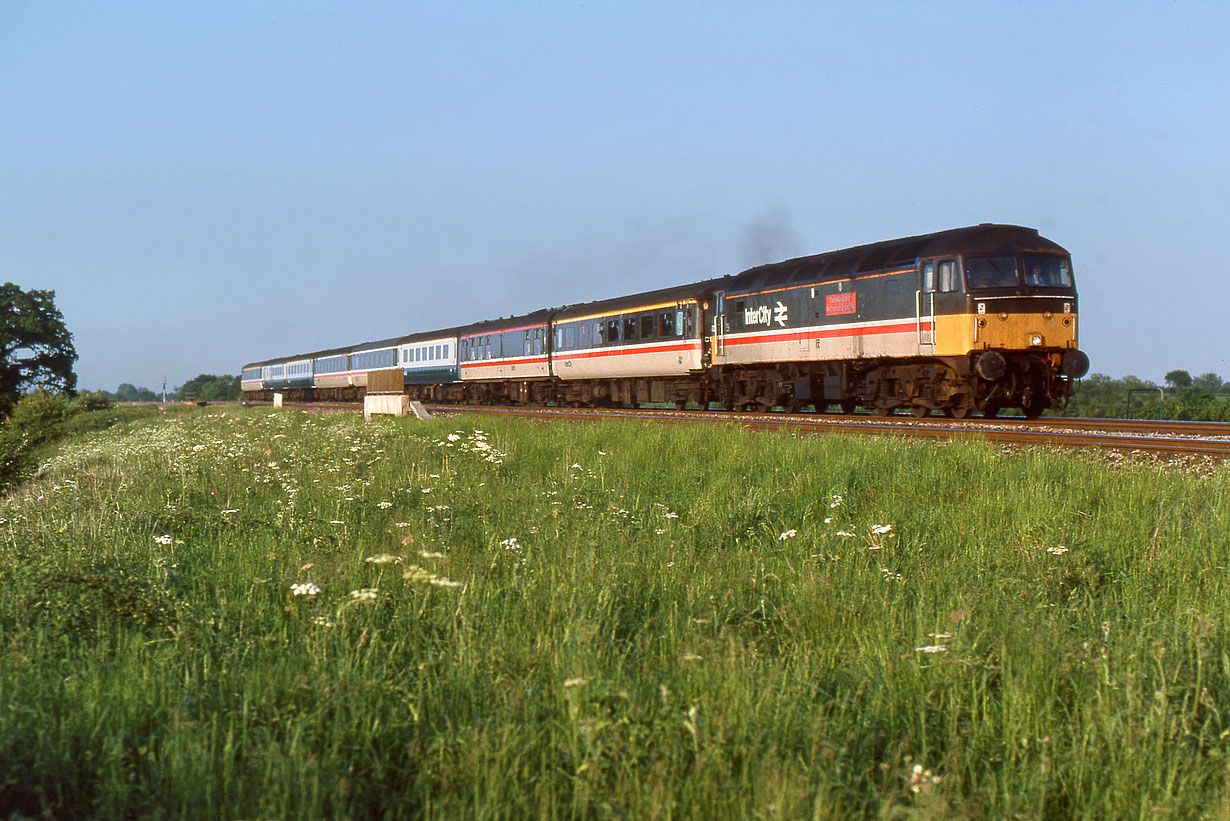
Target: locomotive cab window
1047,271
991,272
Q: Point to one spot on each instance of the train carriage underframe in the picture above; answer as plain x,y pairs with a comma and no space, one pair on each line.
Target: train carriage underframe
983,383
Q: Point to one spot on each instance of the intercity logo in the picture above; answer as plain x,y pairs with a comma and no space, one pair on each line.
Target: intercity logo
766,315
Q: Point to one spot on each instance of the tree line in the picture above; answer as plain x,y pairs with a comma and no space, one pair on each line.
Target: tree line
206,387
1203,398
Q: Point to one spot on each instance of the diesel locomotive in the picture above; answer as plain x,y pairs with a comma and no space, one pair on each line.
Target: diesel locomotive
964,321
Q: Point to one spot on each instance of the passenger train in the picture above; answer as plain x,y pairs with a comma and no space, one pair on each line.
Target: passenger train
969,320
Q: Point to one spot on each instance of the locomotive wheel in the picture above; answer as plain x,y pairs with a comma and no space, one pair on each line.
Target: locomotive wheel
957,411
1034,410
847,406
990,410
920,411
886,411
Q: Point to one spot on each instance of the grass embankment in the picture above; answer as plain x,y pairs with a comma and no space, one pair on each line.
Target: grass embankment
249,614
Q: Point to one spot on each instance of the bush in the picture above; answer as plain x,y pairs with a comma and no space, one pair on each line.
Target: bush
93,401
37,419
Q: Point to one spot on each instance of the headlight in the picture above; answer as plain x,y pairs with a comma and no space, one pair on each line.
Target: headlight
1035,340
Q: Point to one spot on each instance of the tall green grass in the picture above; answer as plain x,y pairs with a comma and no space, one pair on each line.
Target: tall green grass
609,620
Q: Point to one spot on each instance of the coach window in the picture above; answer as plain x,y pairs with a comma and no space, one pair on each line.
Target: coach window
647,326
586,338
629,329
570,337
599,334
666,324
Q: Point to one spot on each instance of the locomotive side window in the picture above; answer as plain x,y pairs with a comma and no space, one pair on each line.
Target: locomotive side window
928,277
947,281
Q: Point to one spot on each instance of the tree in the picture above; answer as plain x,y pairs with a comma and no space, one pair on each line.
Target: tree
36,349
1179,379
1209,381
210,388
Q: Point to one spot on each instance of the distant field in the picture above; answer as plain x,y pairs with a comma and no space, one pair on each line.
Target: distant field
241,613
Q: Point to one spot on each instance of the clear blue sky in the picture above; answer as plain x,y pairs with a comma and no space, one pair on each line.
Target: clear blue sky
207,183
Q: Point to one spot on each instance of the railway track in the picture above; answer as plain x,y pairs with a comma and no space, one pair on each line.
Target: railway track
1166,438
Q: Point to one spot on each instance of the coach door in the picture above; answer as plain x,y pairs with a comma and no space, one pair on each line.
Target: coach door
924,308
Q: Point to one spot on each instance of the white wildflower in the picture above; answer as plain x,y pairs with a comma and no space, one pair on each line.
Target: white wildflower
364,594
453,437
323,621
164,539
511,543
921,780
428,554
836,502
229,511
574,682
844,533
1058,550
931,648
384,505
880,530
304,589
383,558
691,657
